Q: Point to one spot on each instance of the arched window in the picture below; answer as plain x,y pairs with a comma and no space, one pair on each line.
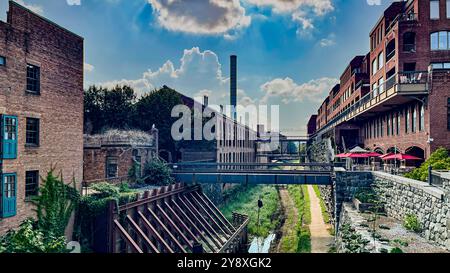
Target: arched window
439,40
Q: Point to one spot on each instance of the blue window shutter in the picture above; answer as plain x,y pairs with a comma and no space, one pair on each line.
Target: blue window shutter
9,195
9,137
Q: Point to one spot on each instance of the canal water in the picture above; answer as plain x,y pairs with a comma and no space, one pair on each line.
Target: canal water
261,245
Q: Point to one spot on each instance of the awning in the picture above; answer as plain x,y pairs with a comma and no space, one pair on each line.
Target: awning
401,157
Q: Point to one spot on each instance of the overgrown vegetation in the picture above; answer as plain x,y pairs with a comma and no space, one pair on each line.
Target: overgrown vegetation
439,160
95,204
367,195
54,206
157,173
244,200
300,240
352,241
412,223
323,207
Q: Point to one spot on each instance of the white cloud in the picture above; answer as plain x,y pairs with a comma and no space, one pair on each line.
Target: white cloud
34,8
74,2
88,67
303,12
200,72
289,91
201,16
329,41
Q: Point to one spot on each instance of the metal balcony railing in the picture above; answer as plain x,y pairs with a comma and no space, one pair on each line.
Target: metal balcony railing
389,88
403,17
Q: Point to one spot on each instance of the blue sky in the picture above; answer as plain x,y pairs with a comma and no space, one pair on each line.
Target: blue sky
290,52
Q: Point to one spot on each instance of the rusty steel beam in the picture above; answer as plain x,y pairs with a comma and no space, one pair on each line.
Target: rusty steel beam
232,228
155,233
142,234
208,215
177,243
200,218
203,237
195,226
125,236
223,221
175,227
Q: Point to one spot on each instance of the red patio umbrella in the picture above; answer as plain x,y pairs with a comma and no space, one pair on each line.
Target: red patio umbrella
373,154
385,155
401,157
357,155
344,155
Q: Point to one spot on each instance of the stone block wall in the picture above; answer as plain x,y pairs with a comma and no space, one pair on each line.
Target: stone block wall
401,196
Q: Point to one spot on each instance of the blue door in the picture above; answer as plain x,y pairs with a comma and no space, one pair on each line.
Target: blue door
9,137
9,195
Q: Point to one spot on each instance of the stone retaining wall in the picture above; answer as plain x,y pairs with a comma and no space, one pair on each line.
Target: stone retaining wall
401,196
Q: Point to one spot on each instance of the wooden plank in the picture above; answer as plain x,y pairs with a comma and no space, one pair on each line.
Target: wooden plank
128,240
142,234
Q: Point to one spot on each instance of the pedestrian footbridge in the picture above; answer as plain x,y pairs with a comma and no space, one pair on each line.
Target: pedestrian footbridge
254,173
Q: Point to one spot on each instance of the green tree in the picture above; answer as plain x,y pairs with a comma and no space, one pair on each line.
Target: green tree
439,160
155,108
108,108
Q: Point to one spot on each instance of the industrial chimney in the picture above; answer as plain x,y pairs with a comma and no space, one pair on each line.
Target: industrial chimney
233,85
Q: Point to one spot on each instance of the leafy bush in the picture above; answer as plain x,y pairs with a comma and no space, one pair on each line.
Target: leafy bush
396,250
54,205
366,196
439,160
29,239
156,172
412,223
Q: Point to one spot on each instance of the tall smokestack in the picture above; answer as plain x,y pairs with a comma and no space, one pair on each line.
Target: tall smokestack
233,85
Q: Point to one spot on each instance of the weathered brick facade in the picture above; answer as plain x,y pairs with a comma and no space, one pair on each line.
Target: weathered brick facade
27,38
125,148
407,107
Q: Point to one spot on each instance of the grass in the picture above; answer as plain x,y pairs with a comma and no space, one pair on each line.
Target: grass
298,241
245,199
325,214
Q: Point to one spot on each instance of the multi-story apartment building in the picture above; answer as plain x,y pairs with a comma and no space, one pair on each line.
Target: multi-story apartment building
408,106
41,108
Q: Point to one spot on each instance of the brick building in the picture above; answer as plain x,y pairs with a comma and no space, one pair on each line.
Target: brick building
111,156
41,108
406,104
234,142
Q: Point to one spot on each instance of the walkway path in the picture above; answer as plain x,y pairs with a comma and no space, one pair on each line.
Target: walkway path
291,212
320,237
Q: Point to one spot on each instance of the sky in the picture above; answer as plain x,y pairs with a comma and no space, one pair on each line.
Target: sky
290,52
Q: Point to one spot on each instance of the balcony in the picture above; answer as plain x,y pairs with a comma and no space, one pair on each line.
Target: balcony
398,89
401,18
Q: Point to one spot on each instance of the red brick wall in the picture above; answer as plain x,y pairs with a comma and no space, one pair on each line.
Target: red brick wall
59,54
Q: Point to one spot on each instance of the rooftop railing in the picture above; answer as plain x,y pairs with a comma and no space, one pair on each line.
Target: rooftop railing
403,17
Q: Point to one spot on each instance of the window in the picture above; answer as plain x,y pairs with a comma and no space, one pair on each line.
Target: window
31,183
422,118
375,89
407,121
374,67
409,42
440,65
394,125
32,133
8,194
381,85
448,114
398,123
434,9
388,125
2,61
380,60
439,40
33,79
111,167
448,9
414,120
9,137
